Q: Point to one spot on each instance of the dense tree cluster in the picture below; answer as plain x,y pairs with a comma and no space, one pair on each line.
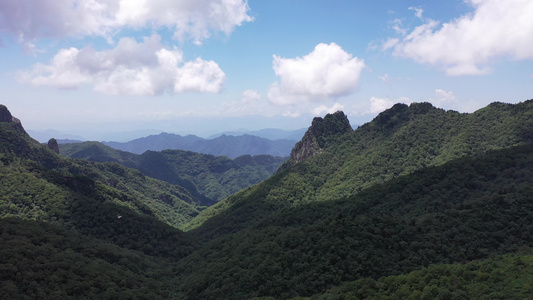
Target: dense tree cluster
505,277
42,261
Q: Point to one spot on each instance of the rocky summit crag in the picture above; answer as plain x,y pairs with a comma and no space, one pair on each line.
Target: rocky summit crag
6,117
53,145
319,135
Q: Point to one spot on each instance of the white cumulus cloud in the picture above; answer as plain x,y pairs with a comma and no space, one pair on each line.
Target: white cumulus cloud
444,98
466,45
131,68
322,109
327,72
250,96
378,105
195,19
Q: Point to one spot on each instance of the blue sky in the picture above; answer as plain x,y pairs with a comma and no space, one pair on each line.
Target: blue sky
205,66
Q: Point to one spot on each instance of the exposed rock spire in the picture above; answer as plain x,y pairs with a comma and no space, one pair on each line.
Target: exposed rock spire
321,133
6,117
53,145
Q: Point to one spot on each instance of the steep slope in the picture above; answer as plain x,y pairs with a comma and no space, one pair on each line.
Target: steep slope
38,184
466,209
398,141
230,146
77,229
209,178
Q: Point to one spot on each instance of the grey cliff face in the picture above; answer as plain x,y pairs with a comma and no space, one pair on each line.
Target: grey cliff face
319,136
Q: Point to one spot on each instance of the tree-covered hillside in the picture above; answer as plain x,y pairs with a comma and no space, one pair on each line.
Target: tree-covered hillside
40,185
397,142
418,203
209,178
77,229
502,277
40,260
466,209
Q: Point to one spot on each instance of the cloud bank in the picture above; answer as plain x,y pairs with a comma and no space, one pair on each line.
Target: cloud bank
327,72
194,19
466,45
131,68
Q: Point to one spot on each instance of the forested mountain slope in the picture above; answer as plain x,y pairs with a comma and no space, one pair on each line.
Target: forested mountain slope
79,229
209,178
225,145
469,208
40,185
397,142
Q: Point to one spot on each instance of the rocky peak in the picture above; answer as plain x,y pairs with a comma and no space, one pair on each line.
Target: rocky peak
329,127
322,132
53,145
6,117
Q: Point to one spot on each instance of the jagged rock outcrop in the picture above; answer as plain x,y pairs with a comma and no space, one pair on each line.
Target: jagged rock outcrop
53,145
321,133
6,117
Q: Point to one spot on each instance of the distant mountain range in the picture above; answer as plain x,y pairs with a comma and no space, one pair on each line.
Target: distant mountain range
124,136
44,135
224,145
275,142
269,133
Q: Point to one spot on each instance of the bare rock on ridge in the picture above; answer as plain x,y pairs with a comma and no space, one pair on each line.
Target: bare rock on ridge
321,133
6,117
53,145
